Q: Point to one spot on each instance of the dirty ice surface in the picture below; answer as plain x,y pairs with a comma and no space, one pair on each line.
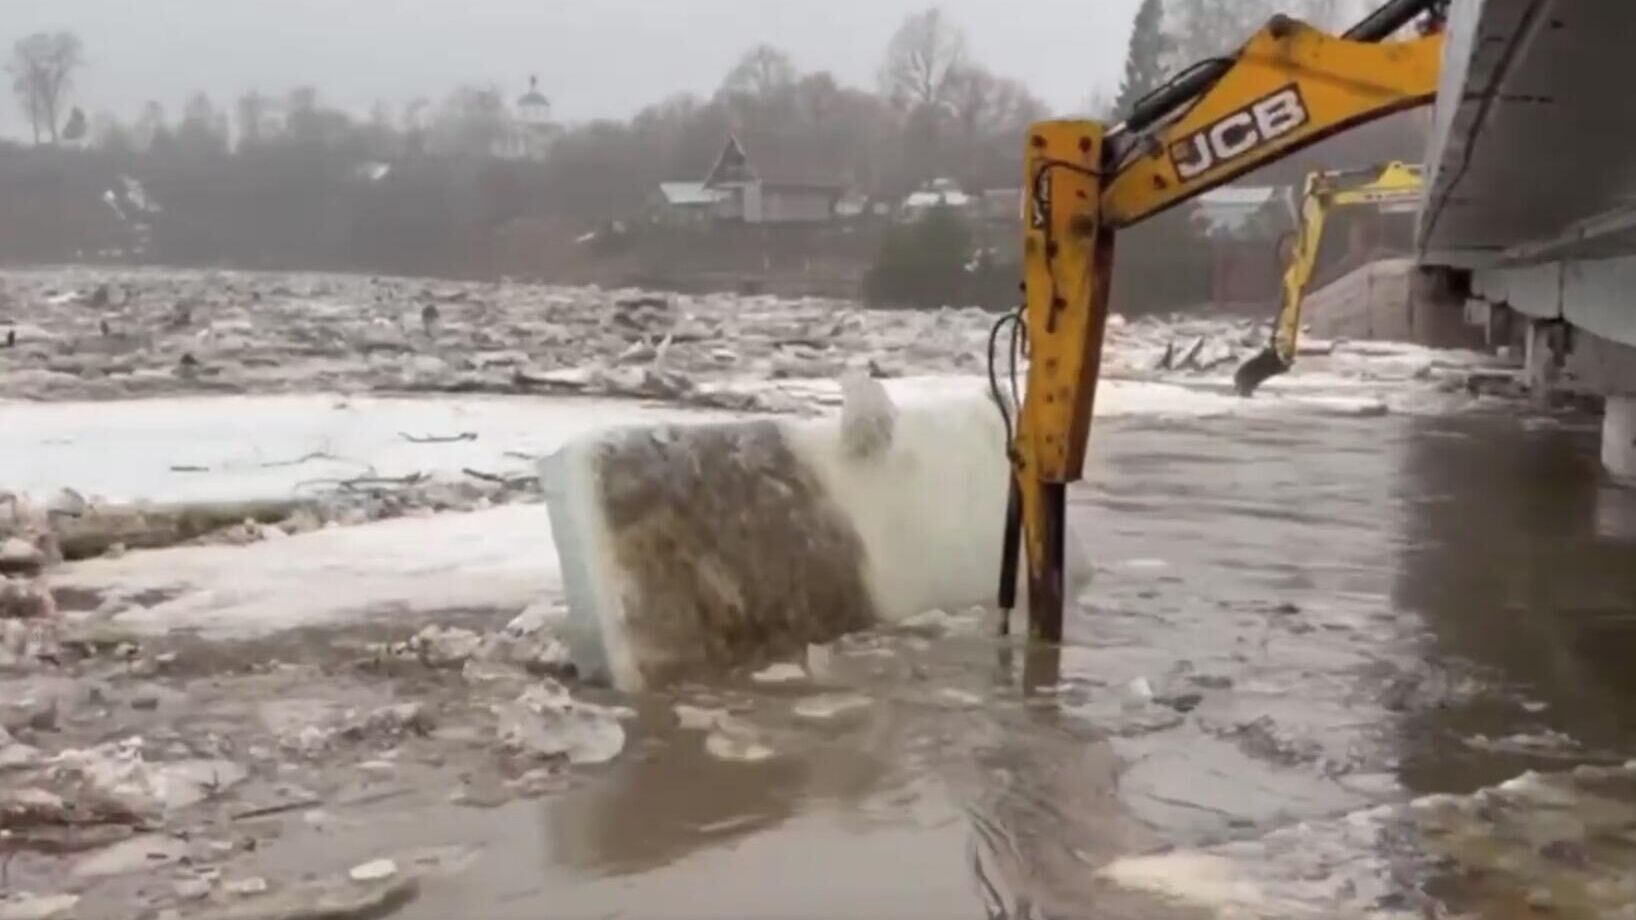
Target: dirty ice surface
403,568
201,449
177,449
102,334
218,448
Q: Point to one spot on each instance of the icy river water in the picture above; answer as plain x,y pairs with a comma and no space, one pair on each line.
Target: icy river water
1352,612
1327,666
1308,645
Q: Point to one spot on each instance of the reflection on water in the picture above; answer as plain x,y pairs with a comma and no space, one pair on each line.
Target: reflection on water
656,807
1288,619
1510,561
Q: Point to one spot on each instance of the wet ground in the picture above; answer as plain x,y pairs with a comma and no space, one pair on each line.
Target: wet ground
1296,626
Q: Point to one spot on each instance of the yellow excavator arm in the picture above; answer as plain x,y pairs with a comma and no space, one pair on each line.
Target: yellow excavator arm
1387,187
1289,86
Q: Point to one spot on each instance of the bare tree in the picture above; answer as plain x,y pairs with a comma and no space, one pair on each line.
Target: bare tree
252,118
969,96
380,132
1099,105
110,134
985,105
922,57
311,125
202,130
762,72
414,125
989,114
42,69
472,122
817,97
152,130
302,121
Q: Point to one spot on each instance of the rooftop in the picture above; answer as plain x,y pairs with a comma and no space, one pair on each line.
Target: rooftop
683,194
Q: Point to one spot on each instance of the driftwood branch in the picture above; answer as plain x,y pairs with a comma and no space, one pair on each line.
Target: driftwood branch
508,481
376,482
281,808
147,527
315,455
270,464
438,439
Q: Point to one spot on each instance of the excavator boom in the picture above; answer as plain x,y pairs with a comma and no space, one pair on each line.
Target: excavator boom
1290,86
1384,187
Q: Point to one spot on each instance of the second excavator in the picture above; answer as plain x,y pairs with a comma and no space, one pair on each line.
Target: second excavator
1395,186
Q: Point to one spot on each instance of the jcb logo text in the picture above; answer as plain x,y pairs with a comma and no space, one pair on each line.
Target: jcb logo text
1236,134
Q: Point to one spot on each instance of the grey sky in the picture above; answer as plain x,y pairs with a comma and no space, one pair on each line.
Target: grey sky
594,57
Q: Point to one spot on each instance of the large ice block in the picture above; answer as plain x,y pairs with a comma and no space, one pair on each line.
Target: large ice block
691,547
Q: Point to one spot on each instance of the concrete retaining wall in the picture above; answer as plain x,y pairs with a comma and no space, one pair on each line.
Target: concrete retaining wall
1392,300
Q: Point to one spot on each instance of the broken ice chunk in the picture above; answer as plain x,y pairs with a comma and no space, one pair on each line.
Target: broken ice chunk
783,672
546,721
868,416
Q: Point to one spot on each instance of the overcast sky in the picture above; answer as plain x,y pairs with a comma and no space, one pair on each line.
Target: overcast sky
594,57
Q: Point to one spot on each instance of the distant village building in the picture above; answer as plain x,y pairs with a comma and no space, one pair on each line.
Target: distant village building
692,203
784,184
536,131
938,193
854,205
1001,205
1228,210
1243,224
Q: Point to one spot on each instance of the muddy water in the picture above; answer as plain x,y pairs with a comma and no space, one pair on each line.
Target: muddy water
1347,609
1521,563
1291,621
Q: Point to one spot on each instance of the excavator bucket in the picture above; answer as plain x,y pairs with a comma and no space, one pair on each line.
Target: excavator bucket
1258,370
697,548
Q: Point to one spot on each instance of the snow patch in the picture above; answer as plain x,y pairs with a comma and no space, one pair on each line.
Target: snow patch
496,558
736,740
253,447
782,672
825,706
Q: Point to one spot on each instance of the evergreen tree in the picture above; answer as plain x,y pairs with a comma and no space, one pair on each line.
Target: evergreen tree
1144,62
1202,29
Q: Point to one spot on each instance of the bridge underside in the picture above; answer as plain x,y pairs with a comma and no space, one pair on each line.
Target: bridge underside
1533,190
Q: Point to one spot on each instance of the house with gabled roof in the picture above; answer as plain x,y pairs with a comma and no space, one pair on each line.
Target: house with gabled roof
770,180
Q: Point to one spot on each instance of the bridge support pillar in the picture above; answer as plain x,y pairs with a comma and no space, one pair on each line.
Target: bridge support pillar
1619,438
1542,358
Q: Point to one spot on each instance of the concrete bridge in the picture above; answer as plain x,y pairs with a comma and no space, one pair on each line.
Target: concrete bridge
1533,190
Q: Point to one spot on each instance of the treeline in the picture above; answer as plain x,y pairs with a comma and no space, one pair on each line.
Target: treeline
1171,35
292,180
935,112
481,180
